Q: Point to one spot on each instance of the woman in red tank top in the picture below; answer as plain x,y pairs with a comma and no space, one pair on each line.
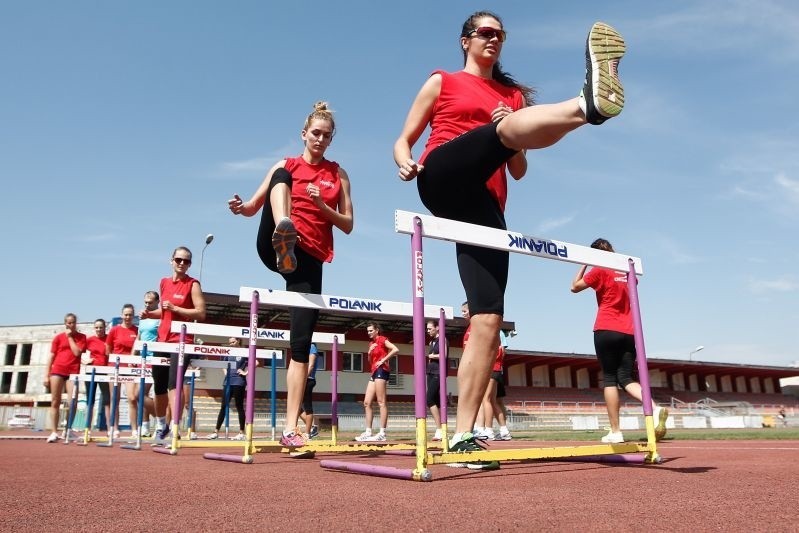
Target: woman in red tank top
479,127
302,198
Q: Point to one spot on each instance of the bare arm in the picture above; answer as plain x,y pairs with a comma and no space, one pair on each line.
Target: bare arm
517,164
239,207
578,283
311,362
417,120
392,351
342,218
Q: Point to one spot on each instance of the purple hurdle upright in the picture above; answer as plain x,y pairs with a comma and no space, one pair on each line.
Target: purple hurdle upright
421,472
643,369
443,352
178,408
249,408
334,392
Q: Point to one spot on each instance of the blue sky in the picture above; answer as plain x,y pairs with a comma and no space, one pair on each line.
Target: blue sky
126,126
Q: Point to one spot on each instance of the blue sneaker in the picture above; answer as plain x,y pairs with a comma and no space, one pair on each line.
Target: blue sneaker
161,436
314,432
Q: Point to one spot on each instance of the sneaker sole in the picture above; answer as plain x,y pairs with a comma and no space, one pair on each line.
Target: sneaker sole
283,240
605,44
490,465
660,429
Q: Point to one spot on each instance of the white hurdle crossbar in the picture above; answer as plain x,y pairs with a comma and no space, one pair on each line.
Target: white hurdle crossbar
239,332
512,241
361,306
207,350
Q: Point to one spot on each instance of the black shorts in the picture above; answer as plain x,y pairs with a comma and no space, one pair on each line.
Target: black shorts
105,392
166,378
616,354
380,373
496,375
453,185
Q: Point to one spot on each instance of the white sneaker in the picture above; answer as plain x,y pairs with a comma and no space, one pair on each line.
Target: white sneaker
240,436
145,430
380,437
480,433
503,435
488,434
192,436
53,437
437,436
213,436
365,436
116,434
613,438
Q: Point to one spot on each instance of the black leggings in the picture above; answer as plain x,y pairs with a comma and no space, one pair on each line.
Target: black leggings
616,354
453,185
306,278
166,378
237,393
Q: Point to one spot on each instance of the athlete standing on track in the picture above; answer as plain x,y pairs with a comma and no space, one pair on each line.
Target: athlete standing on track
181,299
479,127
380,351
120,341
65,353
302,198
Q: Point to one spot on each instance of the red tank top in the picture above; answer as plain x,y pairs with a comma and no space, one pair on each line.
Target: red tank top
377,351
179,293
315,231
464,103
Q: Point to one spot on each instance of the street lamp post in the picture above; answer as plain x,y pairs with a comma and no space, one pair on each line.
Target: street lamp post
697,349
208,240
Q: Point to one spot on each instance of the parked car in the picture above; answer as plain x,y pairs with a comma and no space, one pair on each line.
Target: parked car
20,420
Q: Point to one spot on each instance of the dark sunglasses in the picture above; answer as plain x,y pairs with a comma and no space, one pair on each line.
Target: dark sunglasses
180,260
488,33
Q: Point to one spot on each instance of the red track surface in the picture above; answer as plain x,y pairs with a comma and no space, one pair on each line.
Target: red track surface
701,486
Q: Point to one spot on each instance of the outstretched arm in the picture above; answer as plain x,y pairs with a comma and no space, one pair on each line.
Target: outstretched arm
578,283
239,207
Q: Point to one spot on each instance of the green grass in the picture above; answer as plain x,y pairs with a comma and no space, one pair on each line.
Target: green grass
632,436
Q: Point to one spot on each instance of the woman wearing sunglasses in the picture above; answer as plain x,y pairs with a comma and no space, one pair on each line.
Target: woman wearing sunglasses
302,197
481,127
181,300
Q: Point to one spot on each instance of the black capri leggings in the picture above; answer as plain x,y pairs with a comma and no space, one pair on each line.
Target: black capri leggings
237,393
453,185
306,278
616,354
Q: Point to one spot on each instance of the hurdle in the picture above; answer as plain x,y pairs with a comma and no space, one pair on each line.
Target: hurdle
181,349
419,226
363,307
136,446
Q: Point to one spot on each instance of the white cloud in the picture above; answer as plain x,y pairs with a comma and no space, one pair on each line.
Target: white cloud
548,225
784,284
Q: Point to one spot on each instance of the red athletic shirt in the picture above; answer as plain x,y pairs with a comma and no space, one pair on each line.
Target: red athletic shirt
377,351
120,339
96,347
64,361
466,102
611,296
466,335
315,231
179,293
499,359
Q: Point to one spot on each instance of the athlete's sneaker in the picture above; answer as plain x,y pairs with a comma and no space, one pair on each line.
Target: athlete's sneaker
366,435
314,432
613,438
661,415
240,436
213,436
293,440
437,436
162,433
380,437
145,430
283,240
192,436
52,438
468,443
503,435
480,434
116,434
602,92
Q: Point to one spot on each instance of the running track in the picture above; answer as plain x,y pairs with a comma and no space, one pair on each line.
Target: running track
701,486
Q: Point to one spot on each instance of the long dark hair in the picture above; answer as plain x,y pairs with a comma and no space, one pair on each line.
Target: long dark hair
497,74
